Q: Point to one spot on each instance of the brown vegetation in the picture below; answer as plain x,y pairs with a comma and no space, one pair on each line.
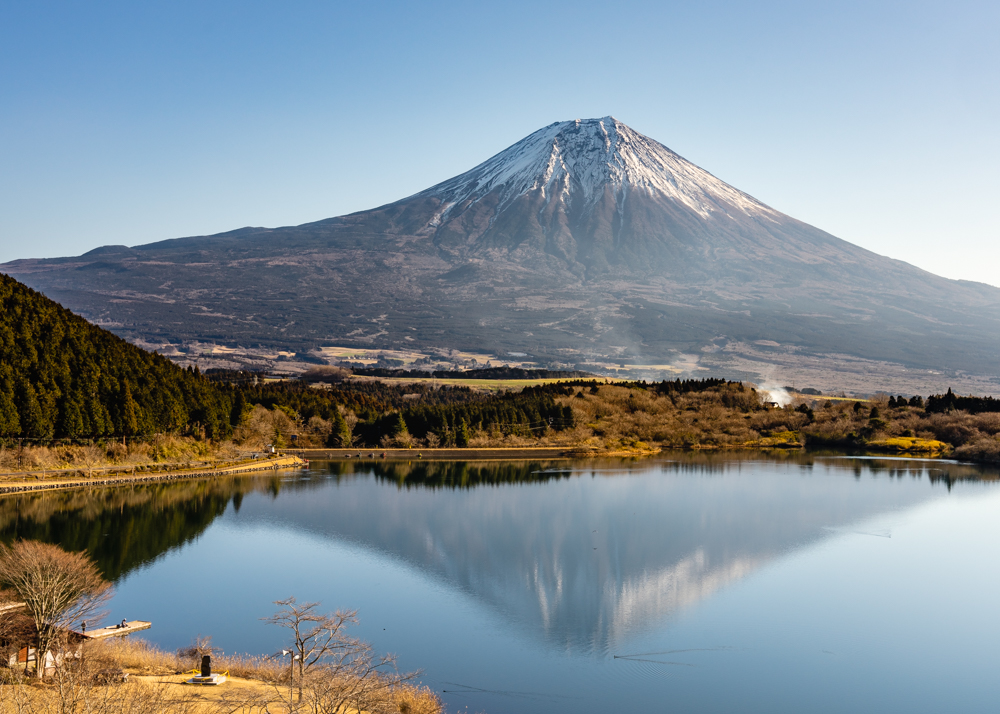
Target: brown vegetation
96,683
613,417
86,458
630,417
336,673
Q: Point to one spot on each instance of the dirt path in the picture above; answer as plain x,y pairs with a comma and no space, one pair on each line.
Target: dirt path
242,695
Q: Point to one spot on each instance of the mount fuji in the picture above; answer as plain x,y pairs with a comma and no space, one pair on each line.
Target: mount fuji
585,242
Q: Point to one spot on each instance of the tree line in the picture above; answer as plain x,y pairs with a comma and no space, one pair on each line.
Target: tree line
941,403
522,414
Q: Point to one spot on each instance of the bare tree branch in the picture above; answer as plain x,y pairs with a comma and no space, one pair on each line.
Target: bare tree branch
59,589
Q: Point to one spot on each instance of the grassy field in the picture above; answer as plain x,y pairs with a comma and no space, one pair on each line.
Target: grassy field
493,385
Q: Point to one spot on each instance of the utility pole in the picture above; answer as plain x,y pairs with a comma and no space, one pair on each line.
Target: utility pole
291,675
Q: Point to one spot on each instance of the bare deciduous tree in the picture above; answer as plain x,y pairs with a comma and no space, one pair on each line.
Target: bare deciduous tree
59,590
315,636
199,647
355,680
91,456
333,666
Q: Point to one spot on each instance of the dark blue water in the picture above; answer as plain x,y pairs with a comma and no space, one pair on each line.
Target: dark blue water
704,584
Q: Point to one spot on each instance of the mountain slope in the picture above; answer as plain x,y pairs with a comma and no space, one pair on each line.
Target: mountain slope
584,241
62,377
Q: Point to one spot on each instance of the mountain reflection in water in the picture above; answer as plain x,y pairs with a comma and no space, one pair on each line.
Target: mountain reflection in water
124,528
581,554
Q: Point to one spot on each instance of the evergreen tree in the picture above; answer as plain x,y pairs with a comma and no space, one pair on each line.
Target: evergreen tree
34,423
340,435
240,407
462,435
10,422
127,409
70,419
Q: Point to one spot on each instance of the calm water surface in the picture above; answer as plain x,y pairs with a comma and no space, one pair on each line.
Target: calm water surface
699,584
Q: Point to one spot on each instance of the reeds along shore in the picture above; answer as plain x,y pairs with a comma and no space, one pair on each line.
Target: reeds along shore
632,418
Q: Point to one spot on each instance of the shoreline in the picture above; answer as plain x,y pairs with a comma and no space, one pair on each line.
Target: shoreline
450,454
28,482
577,452
8,487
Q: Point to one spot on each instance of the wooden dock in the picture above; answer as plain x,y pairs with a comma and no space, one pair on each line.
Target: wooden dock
116,630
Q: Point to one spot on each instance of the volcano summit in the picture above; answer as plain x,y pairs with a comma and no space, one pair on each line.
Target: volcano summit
585,241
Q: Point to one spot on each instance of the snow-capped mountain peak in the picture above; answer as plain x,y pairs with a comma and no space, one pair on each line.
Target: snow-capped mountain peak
580,160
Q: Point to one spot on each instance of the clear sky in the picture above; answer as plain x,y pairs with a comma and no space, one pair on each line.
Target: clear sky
137,121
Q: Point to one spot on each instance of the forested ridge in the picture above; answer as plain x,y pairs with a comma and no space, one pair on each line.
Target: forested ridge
62,377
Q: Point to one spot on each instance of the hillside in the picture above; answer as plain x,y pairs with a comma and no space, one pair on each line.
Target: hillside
585,243
62,377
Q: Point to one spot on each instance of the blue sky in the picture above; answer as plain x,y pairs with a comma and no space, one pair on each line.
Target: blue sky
134,122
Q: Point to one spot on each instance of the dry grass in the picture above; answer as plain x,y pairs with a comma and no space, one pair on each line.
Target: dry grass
911,445
156,679
85,458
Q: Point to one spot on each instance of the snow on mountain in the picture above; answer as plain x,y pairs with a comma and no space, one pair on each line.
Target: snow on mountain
585,240
579,160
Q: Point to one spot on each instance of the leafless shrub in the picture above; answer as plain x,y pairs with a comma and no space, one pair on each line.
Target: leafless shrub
199,647
988,423
87,686
956,428
90,457
263,426
986,449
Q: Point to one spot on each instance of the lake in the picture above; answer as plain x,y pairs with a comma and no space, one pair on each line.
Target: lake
687,583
